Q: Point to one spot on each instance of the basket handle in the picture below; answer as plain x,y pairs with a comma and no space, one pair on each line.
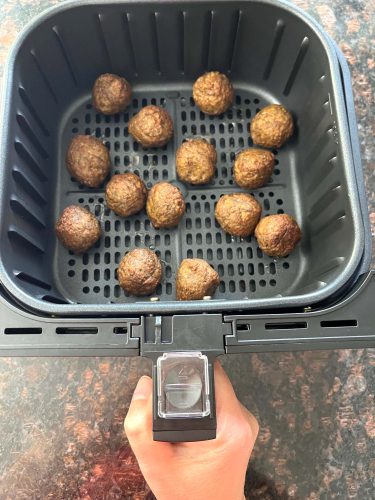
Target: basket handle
183,349
183,397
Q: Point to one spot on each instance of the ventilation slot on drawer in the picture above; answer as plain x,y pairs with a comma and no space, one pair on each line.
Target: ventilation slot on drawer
286,326
243,328
22,331
339,323
77,330
120,330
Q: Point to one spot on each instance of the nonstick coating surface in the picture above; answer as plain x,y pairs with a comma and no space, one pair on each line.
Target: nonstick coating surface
243,268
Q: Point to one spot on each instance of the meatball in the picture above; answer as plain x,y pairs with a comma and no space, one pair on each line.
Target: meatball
126,194
196,161
77,229
139,272
277,235
151,126
165,205
238,214
213,93
111,94
253,167
88,160
195,279
272,126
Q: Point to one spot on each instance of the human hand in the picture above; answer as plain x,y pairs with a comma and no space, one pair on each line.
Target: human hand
199,470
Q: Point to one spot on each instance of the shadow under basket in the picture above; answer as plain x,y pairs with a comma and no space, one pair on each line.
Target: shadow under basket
273,54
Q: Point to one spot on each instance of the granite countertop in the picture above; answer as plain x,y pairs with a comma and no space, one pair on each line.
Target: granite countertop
61,420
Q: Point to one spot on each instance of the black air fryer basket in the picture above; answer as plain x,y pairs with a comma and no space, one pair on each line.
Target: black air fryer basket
56,303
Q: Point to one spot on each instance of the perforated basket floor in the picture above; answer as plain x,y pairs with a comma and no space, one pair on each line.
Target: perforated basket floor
244,271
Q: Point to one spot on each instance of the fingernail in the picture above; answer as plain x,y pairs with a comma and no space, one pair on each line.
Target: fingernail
142,391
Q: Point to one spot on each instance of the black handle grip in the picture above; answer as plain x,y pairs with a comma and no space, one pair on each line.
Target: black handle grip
173,337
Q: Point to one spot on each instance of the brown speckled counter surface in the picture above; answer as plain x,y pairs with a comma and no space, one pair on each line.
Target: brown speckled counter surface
61,419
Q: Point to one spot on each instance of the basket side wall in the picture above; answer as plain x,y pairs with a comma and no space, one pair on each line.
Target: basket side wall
264,44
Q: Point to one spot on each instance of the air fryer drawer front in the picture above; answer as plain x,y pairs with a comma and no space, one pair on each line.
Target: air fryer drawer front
348,324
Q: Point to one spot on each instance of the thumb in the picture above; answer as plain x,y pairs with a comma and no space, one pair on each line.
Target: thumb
138,427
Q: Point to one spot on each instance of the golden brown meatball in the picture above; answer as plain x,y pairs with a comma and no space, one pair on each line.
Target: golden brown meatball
253,167
277,235
272,126
196,161
139,272
111,94
126,194
151,126
77,229
213,93
165,205
195,279
88,160
238,214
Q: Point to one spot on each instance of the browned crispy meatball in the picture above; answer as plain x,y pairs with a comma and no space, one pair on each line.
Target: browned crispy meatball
77,229
213,93
278,235
272,126
165,205
196,161
238,214
151,126
195,279
111,94
253,167
139,272
126,194
88,160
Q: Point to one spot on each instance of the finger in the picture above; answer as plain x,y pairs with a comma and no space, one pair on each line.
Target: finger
138,425
228,408
230,412
137,422
252,422
226,398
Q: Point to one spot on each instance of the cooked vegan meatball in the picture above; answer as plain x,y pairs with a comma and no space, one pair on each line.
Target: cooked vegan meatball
195,279
253,167
272,126
139,272
77,229
165,205
111,94
88,160
238,214
126,194
213,93
277,235
196,161
151,126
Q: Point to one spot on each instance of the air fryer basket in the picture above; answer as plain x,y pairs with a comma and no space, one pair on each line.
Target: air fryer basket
50,300
272,53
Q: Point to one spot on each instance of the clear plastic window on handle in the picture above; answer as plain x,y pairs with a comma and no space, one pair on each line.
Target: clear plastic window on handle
183,385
